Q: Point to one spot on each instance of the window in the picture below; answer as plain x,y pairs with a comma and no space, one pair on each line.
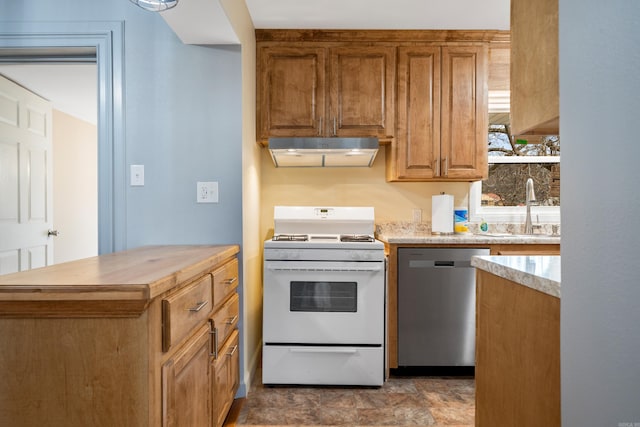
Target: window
512,160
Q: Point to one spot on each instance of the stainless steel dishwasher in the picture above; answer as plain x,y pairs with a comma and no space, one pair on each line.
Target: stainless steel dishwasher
436,306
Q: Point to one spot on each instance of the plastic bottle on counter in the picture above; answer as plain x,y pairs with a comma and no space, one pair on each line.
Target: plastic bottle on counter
461,220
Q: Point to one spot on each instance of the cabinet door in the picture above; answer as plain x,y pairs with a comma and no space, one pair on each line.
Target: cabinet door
186,384
464,112
535,105
361,87
291,91
226,379
417,148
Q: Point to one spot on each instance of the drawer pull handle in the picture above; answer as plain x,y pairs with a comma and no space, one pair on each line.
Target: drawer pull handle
213,332
199,306
230,281
231,320
233,350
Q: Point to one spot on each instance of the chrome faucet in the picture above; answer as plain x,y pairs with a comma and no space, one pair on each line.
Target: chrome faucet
531,199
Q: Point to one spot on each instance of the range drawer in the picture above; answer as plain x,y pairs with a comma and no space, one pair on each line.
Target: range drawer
225,281
320,365
184,310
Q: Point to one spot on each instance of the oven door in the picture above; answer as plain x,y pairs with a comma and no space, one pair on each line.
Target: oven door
322,302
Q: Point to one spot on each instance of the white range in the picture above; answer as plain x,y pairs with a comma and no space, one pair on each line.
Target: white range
324,298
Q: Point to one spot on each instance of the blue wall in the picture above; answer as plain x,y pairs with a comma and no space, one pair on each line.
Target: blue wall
600,306
182,121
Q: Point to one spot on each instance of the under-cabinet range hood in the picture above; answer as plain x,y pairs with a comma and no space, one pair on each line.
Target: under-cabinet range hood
323,152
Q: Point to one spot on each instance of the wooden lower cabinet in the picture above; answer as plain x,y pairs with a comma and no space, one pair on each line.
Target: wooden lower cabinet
186,384
225,361
517,355
125,339
226,377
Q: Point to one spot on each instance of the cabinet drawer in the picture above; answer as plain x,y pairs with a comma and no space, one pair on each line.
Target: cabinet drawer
184,310
225,281
226,319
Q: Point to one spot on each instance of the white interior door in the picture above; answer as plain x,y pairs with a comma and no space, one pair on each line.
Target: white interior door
26,207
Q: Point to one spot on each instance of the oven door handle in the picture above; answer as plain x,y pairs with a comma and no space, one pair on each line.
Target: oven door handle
330,269
341,350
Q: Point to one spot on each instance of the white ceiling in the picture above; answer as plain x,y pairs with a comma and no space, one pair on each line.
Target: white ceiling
204,22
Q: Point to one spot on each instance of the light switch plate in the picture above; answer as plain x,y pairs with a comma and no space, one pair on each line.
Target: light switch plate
207,192
137,175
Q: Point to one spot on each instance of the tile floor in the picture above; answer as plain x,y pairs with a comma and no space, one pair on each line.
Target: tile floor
401,401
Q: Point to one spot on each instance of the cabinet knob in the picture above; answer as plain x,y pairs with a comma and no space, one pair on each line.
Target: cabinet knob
53,233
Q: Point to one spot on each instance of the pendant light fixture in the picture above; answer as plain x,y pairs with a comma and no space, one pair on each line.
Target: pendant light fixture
155,5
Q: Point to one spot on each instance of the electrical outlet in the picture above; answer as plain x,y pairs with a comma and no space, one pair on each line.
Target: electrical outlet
137,175
207,192
417,216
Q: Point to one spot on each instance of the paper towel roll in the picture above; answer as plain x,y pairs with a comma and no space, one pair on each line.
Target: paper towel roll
442,213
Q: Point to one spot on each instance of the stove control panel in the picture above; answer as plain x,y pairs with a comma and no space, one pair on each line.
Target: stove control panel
324,212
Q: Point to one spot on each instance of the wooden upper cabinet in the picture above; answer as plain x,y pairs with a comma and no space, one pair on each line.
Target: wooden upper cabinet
465,117
442,114
418,143
316,90
534,68
291,91
361,91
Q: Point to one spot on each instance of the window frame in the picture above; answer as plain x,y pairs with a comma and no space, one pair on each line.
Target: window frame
510,214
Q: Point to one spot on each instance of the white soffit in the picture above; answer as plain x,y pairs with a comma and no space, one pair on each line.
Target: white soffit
205,21
381,14
201,22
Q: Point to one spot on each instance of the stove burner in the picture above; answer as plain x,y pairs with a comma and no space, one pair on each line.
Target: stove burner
356,238
290,237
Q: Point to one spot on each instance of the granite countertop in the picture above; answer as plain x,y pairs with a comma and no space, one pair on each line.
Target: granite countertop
541,273
420,233
469,238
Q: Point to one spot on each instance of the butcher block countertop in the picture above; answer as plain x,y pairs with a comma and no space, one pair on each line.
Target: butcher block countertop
120,283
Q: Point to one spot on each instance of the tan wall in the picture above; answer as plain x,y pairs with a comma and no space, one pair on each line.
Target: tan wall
240,19
75,187
393,201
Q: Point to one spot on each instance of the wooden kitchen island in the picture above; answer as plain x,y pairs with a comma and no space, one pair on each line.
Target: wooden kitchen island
144,337
517,341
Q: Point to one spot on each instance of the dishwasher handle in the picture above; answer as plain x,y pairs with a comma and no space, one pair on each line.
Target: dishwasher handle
424,263
443,263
